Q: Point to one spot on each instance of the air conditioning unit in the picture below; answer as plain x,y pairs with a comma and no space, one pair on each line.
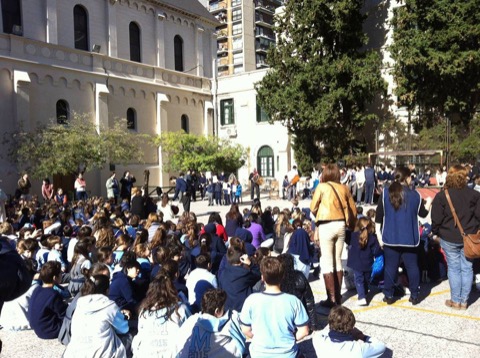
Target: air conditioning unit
232,132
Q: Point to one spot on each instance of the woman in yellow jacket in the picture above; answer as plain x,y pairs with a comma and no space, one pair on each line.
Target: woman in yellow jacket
335,211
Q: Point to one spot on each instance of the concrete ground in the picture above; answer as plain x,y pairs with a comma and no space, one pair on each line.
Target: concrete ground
429,329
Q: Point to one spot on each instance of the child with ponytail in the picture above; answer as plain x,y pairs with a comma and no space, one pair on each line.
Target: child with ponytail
361,253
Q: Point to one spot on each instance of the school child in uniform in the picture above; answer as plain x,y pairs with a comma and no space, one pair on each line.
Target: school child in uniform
47,308
238,193
273,320
361,254
210,192
218,193
55,245
226,193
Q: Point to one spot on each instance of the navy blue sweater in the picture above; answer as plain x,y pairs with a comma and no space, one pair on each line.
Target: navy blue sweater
121,291
46,312
400,227
362,259
238,282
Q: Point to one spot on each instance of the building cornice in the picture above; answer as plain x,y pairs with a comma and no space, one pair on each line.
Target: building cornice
184,12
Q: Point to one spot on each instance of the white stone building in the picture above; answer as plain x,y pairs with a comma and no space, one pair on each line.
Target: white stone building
150,61
243,121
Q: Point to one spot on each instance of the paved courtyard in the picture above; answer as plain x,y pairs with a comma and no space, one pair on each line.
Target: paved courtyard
427,330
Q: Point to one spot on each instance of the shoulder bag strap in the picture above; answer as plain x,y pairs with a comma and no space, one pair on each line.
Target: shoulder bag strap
338,198
454,213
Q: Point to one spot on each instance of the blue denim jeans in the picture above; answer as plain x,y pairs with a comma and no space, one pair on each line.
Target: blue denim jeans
360,190
361,283
460,272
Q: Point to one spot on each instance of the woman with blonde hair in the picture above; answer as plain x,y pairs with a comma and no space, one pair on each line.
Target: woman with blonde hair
334,211
466,203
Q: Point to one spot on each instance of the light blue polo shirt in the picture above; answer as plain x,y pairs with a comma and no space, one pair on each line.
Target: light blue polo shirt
274,319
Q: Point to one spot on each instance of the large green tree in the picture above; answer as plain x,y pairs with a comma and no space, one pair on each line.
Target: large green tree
436,48
64,148
465,140
321,76
183,151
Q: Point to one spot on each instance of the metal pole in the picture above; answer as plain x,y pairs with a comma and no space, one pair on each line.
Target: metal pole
447,142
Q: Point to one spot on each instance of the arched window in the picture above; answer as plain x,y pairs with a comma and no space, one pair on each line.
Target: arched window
131,119
63,111
265,161
135,51
12,17
178,50
80,26
185,123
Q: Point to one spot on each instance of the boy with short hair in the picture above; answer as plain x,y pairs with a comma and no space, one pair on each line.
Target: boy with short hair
278,319
342,339
214,332
200,280
47,308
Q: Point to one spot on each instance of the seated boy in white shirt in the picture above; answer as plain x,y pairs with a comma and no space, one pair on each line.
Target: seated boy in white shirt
341,339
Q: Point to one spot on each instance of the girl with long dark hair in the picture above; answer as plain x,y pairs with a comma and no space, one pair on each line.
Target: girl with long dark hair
398,232
80,264
362,250
160,317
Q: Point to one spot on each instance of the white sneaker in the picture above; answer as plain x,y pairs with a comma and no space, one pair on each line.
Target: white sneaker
362,302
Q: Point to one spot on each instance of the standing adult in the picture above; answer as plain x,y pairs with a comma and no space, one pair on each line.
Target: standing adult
182,192
466,203
127,182
138,203
360,178
193,186
80,187
398,232
254,184
370,179
47,190
292,177
202,185
23,187
334,211
112,188
285,185
188,180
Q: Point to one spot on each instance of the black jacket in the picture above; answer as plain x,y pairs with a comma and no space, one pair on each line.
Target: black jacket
466,202
303,292
138,206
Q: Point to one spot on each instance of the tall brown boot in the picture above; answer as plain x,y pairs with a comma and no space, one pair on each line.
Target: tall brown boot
338,287
329,279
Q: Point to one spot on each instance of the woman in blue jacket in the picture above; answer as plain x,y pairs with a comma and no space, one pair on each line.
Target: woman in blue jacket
398,231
